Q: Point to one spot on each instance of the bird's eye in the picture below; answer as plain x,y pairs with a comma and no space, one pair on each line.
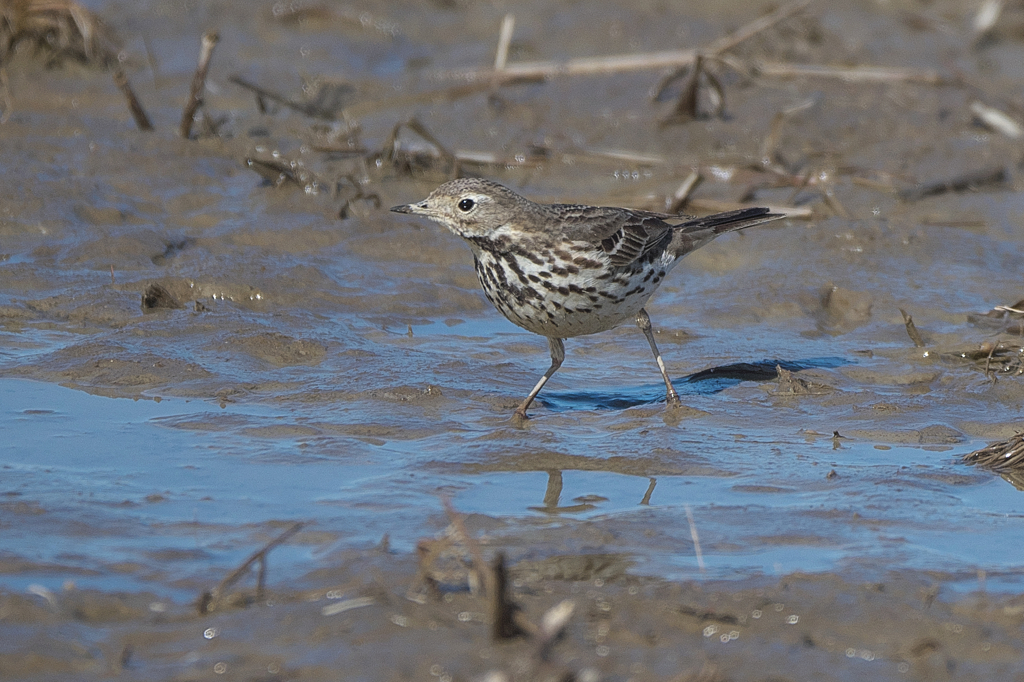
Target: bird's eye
466,205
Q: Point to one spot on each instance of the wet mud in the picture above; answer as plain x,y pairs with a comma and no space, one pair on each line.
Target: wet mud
206,339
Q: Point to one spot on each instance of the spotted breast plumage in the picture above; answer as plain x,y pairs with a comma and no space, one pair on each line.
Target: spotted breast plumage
566,270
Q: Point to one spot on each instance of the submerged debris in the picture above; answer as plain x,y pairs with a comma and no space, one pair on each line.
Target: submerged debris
994,358
965,182
355,196
324,98
1004,455
507,619
278,171
426,155
297,13
791,385
451,561
702,96
1006,318
157,296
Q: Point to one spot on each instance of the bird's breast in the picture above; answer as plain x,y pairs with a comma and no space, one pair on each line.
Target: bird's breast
564,291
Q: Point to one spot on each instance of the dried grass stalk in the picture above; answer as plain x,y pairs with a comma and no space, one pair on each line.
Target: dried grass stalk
629,62
854,74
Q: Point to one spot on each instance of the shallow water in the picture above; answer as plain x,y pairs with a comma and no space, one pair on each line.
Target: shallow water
98,485
349,374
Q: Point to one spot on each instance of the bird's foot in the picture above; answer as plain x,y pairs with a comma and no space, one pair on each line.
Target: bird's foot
519,418
672,400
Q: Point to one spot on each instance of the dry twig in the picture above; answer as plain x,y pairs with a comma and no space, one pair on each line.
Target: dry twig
139,115
534,156
630,62
462,559
210,599
682,194
504,623
829,195
347,605
912,332
359,195
195,95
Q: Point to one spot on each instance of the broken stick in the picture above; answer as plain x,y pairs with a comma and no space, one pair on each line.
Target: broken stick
134,106
195,95
209,599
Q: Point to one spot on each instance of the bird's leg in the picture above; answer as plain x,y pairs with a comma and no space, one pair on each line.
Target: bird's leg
557,357
643,321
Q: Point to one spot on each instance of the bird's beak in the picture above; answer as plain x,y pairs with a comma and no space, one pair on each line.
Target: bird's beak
411,208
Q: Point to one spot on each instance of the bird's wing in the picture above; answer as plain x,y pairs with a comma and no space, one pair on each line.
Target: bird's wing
624,235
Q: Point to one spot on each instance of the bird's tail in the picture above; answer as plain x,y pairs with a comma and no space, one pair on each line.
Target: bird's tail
692,234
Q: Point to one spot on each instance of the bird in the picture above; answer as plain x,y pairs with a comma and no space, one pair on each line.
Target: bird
568,270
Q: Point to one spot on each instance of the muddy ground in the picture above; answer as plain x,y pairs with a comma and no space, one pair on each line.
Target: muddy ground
204,341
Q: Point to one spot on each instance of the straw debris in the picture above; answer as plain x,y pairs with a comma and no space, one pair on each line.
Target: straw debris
59,30
1006,455
994,358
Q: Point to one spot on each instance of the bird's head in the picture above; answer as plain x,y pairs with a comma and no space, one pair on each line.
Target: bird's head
469,207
